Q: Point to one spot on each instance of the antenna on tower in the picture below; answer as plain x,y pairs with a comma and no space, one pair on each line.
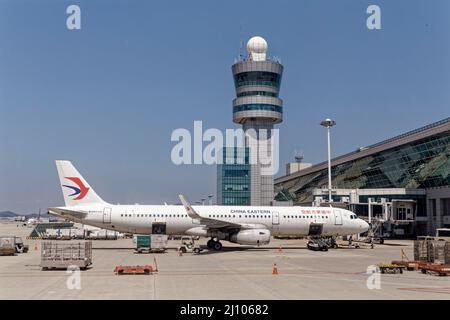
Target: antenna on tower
240,43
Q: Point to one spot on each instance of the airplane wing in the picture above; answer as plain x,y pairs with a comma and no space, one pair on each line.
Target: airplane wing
212,223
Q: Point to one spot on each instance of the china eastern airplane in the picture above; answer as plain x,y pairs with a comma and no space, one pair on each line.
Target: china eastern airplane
245,225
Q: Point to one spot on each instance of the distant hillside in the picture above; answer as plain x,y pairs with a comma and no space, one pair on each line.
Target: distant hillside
10,214
7,214
36,215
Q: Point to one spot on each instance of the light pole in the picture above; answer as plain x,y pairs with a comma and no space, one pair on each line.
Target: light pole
328,123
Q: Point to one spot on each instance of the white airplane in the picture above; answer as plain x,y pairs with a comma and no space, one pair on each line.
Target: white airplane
238,224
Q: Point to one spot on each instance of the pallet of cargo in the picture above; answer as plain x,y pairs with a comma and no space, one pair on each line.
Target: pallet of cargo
146,269
435,268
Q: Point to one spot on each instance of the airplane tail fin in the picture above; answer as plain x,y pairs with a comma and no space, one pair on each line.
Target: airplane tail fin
76,190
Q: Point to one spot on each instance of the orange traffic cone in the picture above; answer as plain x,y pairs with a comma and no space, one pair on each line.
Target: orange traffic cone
274,269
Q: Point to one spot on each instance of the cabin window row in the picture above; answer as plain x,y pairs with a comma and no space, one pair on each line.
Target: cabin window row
305,217
129,215
239,216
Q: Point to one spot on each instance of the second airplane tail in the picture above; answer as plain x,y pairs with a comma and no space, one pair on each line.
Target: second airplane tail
76,190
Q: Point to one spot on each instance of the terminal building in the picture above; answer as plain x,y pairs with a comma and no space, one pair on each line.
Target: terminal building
257,107
402,183
234,177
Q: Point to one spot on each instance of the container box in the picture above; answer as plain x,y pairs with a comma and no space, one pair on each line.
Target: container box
103,235
420,250
7,245
159,241
150,243
61,255
447,252
436,252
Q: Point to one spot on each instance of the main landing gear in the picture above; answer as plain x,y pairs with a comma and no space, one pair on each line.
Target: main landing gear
214,244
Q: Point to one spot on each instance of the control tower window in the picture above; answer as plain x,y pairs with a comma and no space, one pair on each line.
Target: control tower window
257,78
257,93
265,107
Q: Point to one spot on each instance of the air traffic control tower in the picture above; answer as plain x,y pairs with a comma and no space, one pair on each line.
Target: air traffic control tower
257,80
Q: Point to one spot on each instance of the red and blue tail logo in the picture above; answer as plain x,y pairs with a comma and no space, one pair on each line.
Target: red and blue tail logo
79,191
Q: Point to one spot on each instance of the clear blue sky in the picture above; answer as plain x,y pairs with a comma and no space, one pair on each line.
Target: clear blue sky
108,96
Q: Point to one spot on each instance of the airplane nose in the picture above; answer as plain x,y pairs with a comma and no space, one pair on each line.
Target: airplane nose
365,226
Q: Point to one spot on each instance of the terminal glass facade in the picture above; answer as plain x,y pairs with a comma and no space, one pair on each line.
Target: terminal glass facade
233,177
419,164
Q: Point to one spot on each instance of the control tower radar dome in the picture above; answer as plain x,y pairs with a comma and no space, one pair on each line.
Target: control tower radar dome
257,48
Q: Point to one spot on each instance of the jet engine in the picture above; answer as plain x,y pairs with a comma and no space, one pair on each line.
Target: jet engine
251,237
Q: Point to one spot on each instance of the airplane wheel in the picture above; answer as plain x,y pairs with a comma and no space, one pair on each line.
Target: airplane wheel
217,245
210,244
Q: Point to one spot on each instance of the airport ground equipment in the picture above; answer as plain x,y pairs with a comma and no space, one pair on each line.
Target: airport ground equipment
145,269
150,243
443,233
61,255
188,245
7,246
408,264
390,268
435,268
317,245
20,246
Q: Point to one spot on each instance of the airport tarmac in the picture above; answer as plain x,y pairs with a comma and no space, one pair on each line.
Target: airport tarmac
237,272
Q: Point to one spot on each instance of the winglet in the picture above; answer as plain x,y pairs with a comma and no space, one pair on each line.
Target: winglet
190,211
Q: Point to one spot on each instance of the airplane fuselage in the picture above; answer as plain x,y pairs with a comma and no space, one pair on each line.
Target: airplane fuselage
281,221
